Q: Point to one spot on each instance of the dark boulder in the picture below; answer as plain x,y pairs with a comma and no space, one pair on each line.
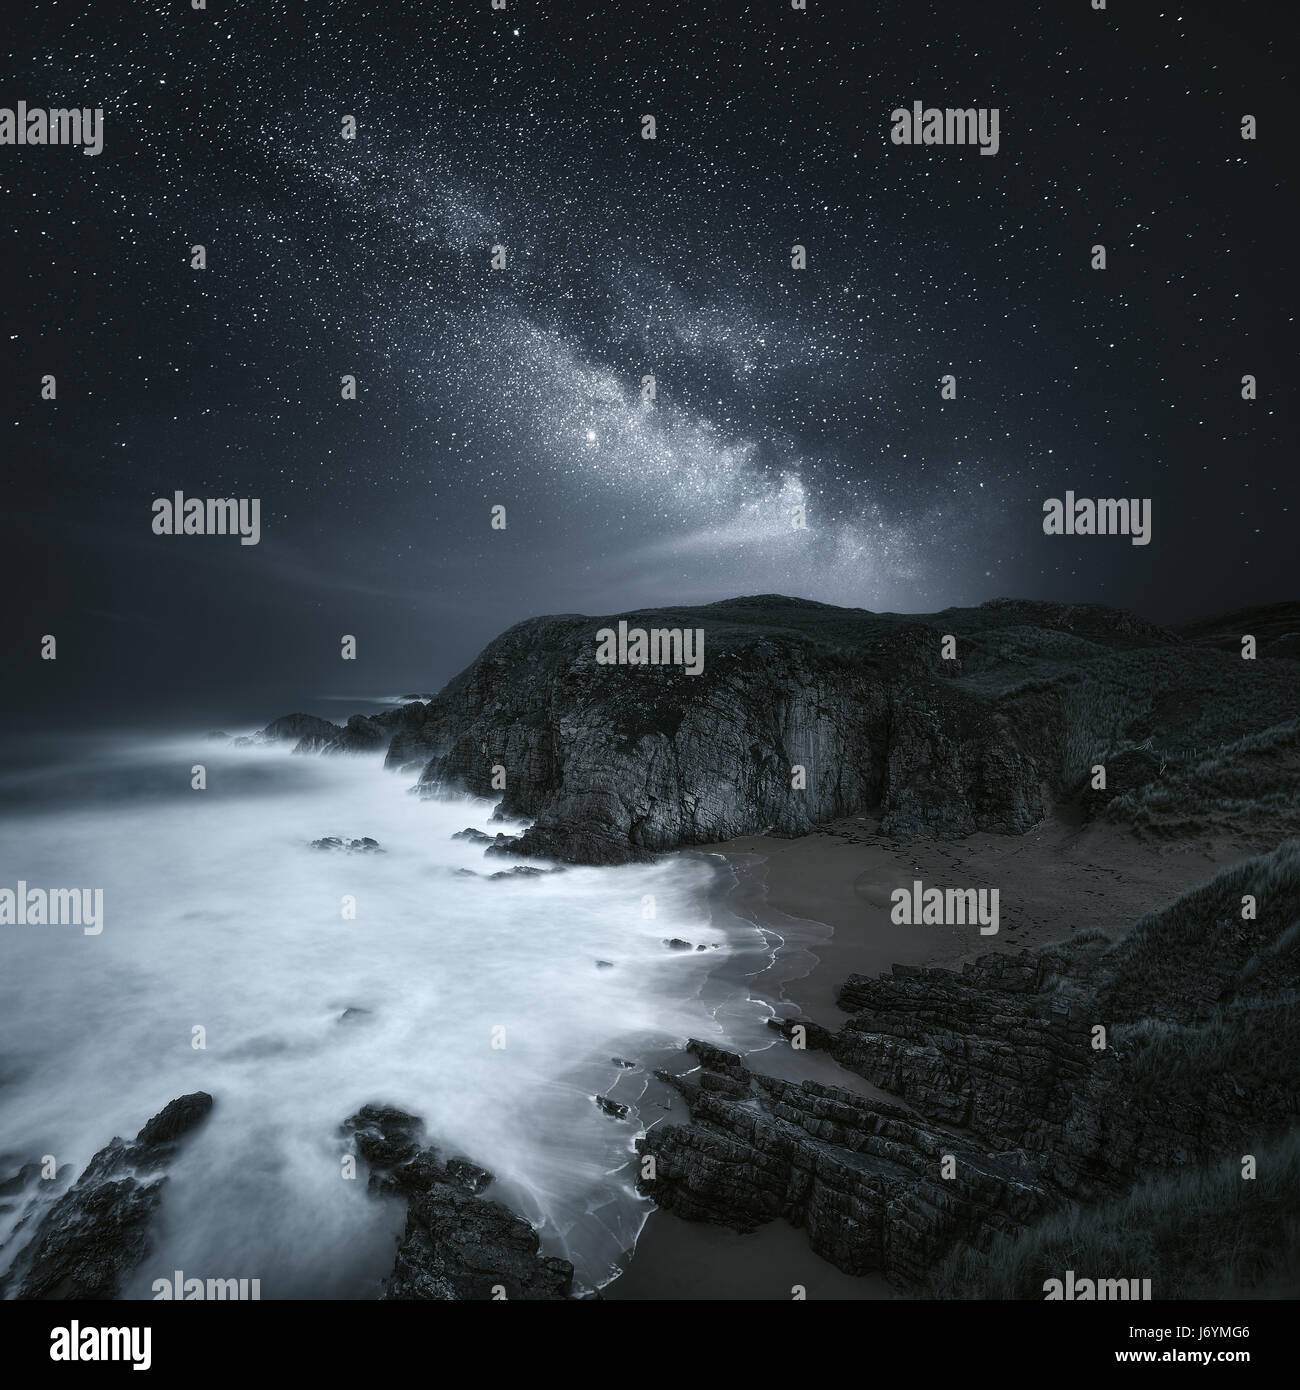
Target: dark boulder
477,837
97,1233
385,1136
457,1245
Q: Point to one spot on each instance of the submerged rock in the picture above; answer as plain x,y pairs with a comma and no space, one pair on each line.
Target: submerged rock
500,843
363,733
157,1140
384,1136
365,845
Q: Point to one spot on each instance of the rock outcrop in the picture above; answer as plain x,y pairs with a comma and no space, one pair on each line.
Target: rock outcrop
1199,1010
457,1245
619,762
865,1179
96,1234
363,733
614,763
306,730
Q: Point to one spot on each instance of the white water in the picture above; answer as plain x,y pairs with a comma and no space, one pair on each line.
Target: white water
217,913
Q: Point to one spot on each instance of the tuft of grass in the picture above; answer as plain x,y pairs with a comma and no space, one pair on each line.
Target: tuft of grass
1184,961
1250,786
1256,1037
1202,1233
1079,703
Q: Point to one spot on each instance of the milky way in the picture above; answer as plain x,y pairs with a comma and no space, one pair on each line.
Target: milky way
777,392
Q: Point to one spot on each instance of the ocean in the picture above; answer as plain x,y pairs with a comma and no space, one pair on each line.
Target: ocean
228,960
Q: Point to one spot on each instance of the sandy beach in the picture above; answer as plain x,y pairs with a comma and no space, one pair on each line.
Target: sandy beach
1054,880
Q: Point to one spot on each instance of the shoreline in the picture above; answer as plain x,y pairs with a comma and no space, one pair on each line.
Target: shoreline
673,1259
799,916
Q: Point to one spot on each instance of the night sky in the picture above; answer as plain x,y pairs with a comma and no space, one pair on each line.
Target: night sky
625,257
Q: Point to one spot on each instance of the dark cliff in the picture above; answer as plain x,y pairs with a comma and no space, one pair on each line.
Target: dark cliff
617,762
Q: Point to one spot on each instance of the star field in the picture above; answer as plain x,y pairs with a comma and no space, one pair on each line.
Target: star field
775,388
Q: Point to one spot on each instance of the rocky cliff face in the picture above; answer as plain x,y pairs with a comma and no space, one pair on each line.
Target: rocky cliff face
617,762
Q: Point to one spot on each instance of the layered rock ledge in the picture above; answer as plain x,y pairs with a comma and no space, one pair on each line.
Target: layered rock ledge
864,1179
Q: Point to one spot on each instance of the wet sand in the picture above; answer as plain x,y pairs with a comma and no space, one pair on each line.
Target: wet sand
1052,881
